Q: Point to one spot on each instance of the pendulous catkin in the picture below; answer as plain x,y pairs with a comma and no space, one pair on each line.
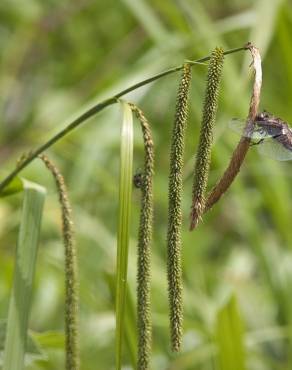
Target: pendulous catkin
203,156
240,151
71,279
144,246
174,272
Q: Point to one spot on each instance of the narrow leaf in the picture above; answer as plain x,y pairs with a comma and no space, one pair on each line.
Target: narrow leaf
230,337
26,252
32,347
130,331
49,340
125,193
15,186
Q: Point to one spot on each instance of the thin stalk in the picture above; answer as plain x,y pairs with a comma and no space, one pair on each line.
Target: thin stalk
71,270
144,247
241,150
96,109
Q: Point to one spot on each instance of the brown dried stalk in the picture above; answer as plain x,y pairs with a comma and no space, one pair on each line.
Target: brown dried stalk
244,143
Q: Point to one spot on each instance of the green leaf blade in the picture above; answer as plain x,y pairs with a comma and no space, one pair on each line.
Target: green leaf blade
26,253
230,337
15,186
125,194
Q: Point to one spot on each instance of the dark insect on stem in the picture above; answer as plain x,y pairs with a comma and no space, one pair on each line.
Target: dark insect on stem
138,180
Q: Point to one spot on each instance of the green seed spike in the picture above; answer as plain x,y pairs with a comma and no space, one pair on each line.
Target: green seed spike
203,157
144,247
175,213
71,275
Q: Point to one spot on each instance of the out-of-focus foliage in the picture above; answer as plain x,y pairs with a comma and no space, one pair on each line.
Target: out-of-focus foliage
26,257
58,58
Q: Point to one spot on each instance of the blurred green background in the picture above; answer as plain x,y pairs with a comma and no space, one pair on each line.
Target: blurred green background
60,57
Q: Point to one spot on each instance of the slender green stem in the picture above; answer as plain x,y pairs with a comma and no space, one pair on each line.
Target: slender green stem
96,109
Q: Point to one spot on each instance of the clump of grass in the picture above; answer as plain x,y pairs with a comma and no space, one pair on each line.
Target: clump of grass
174,272
203,157
144,246
71,276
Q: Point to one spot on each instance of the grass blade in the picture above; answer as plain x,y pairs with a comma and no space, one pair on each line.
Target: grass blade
26,253
125,193
145,13
15,186
230,337
262,35
130,333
